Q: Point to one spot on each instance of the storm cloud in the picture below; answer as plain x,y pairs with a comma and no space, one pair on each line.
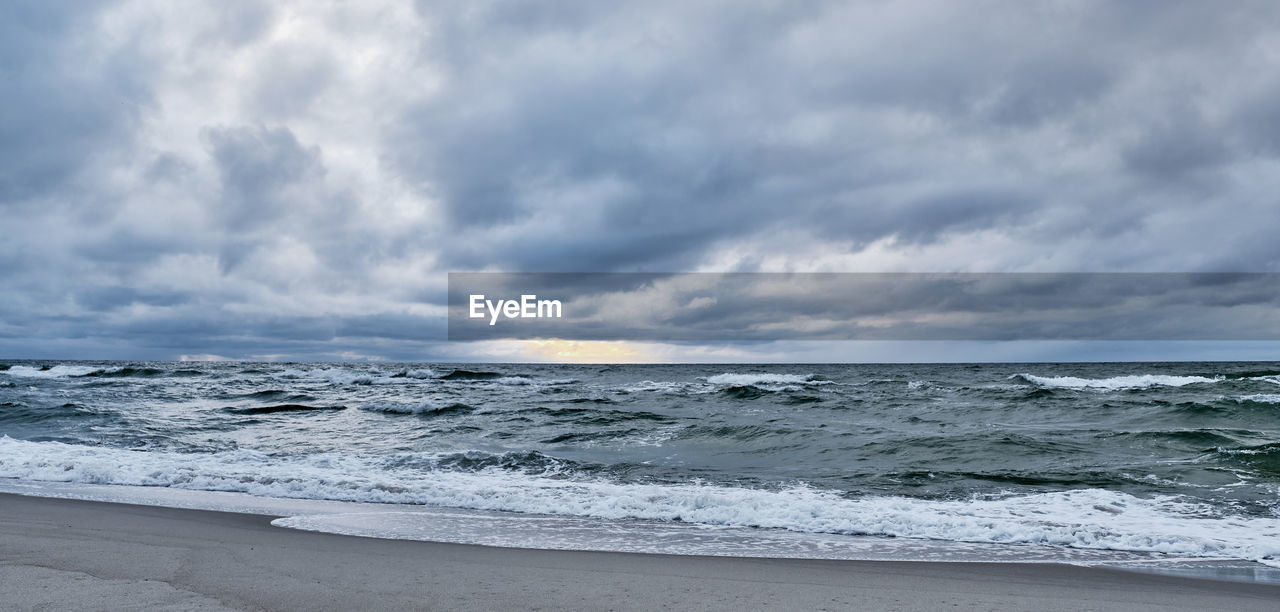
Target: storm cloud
734,307
296,179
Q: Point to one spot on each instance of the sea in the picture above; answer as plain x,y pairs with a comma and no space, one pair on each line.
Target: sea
1161,467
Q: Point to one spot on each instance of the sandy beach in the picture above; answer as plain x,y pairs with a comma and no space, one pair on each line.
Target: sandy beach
67,554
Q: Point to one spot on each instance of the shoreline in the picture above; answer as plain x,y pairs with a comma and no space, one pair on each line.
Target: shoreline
73,553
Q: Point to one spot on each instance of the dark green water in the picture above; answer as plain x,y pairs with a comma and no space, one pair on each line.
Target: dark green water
1177,458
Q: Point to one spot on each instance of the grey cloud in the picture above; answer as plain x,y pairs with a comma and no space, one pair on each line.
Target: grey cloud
99,299
238,23
782,306
588,136
60,111
1171,153
290,80
700,123
258,166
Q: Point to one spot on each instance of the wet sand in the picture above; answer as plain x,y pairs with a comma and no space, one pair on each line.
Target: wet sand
68,554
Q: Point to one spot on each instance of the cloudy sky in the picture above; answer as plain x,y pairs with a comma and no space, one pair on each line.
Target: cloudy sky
295,180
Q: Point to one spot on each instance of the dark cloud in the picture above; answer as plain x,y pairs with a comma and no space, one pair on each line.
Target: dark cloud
657,134
258,167
713,307
61,108
255,178
100,299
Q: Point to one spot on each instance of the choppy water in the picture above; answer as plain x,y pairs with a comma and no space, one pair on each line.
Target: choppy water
1135,461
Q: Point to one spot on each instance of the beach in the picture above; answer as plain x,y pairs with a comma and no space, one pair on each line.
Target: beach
71,554
878,305
1097,464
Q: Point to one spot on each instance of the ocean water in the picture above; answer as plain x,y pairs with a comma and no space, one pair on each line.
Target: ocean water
1170,467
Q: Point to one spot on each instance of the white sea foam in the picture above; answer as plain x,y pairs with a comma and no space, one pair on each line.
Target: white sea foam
669,387
768,382
58,371
336,376
1137,381
1262,450
742,380
1087,519
1261,398
420,374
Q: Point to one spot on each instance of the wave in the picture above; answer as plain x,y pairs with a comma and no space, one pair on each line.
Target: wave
58,371
751,386
498,378
1271,378
427,409
745,393
1258,398
347,376
420,374
1115,383
757,380
471,375
589,437
527,462
16,412
519,381
1261,458
1199,438
664,387
1256,374
335,376
272,394
1082,518
82,371
739,386
594,416
738,433
796,400
1271,450
127,372
281,408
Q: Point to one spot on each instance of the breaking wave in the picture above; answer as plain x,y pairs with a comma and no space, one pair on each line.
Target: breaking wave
1082,518
1115,383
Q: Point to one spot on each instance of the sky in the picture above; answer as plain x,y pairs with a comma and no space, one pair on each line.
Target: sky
295,180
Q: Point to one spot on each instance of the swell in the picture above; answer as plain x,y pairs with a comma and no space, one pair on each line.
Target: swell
471,375
1186,438
1261,457
789,394
420,409
591,416
281,408
1127,382
126,372
289,397
21,413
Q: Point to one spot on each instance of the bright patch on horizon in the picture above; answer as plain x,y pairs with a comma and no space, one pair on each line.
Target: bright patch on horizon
587,351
